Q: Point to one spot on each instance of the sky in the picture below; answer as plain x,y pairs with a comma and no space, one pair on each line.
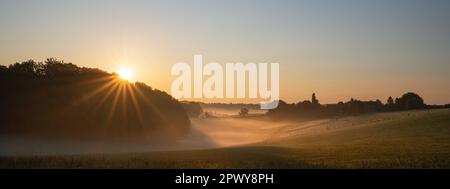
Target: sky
337,49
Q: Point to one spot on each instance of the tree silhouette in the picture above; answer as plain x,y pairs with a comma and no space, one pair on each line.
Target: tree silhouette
390,104
243,112
409,101
314,99
58,99
390,101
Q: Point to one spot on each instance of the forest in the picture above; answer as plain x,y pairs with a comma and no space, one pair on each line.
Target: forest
54,99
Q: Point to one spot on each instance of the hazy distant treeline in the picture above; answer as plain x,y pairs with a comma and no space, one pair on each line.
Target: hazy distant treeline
310,109
193,109
57,99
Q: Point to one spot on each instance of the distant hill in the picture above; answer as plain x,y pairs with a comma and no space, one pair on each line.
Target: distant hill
54,99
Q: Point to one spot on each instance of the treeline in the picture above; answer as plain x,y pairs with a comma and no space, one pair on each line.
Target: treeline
311,109
230,105
195,109
58,99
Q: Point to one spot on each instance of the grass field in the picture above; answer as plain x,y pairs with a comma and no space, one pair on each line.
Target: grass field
412,139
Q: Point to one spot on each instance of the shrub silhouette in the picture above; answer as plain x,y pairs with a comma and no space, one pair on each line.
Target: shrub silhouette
243,112
57,99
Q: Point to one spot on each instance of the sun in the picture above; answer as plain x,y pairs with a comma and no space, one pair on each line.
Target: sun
125,73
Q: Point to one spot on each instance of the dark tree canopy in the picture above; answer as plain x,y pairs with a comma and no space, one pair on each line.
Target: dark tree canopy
409,101
390,101
390,105
60,99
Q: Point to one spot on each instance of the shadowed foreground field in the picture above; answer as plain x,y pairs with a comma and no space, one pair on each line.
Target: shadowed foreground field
413,139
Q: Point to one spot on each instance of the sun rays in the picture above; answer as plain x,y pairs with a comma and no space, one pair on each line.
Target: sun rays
118,99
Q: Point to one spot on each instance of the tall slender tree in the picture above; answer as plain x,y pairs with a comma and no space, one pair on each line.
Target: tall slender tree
314,99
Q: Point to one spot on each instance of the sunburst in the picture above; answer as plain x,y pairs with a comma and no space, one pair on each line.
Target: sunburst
125,73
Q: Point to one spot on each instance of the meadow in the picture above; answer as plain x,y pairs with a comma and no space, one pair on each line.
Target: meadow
407,139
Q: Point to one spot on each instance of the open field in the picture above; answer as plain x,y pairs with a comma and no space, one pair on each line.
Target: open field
412,139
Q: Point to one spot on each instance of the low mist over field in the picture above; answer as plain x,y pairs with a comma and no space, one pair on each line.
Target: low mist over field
204,134
410,139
